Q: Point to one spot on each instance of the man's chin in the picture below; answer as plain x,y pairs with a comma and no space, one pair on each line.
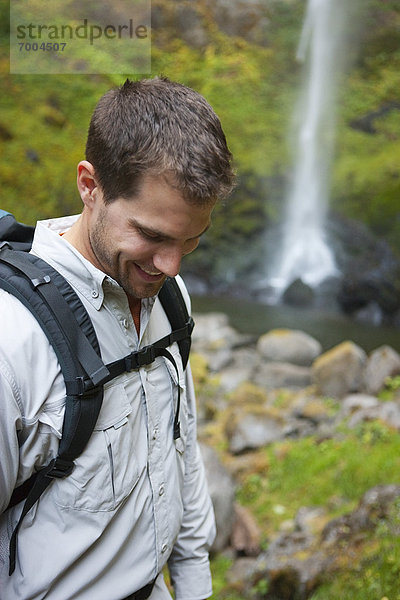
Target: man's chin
145,290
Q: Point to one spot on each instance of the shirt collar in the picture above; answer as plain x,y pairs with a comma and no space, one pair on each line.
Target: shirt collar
49,245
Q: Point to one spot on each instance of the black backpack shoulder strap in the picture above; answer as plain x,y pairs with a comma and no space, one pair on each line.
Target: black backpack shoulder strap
18,235
175,308
68,327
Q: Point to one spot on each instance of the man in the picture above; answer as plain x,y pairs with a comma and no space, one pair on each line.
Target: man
156,163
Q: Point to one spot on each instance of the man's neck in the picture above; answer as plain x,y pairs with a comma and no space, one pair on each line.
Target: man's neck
135,305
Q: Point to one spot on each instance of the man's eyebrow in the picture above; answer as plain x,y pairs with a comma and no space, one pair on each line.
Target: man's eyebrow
157,233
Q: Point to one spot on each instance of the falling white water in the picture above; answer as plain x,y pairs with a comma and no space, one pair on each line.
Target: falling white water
305,252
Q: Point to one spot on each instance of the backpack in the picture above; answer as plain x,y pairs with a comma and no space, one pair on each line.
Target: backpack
68,327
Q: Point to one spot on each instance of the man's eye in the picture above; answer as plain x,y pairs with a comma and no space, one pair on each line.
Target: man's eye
150,236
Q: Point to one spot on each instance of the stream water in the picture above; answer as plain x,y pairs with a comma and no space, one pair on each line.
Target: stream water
327,327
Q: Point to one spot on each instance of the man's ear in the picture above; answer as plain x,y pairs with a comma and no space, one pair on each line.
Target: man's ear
86,182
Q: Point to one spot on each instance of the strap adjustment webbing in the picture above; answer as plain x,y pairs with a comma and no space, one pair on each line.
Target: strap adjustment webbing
59,468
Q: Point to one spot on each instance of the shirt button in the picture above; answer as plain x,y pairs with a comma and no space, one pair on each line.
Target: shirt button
95,294
161,490
154,434
164,548
125,323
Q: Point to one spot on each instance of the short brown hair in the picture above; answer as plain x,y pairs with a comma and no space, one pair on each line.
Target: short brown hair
161,127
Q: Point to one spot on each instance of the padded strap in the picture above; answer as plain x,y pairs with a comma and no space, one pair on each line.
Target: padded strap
80,360
175,308
79,345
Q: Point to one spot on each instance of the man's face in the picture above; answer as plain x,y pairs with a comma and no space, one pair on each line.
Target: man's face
141,241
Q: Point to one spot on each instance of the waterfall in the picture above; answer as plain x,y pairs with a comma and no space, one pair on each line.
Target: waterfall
305,252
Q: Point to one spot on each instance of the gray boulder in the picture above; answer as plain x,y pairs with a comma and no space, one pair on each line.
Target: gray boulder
222,491
382,363
240,369
253,431
340,371
289,346
213,336
386,412
276,375
354,402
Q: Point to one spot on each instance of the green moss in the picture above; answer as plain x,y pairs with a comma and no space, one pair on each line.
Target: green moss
332,473
377,572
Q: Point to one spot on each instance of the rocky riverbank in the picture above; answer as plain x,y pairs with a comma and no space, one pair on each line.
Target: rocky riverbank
258,393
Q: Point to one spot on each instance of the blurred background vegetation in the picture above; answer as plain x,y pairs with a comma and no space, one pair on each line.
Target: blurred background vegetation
247,70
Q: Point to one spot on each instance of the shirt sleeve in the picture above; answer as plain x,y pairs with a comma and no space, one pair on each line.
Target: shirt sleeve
189,561
10,422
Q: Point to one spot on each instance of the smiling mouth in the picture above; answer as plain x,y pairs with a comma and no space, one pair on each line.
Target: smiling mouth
148,273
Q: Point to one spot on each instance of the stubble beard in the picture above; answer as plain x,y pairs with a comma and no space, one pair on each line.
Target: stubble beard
108,262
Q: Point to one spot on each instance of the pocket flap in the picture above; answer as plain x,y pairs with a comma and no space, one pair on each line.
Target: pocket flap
115,408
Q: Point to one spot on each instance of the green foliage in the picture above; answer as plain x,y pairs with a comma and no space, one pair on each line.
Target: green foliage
334,472
219,566
237,79
390,391
366,182
43,126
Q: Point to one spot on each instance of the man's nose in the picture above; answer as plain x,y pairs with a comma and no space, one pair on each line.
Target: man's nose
168,261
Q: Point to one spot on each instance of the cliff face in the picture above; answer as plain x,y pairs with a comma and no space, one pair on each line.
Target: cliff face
194,22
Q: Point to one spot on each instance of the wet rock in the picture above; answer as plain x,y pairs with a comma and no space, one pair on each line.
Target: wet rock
242,571
339,371
382,363
251,431
191,21
308,416
289,346
299,294
246,534
370,313
276,375
233,376
375,288
213,334
355,402
386,412
244,18
291,568
309,519
240,369
374,505
222,491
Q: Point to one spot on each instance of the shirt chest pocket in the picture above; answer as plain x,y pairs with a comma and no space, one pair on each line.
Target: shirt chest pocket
107,470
